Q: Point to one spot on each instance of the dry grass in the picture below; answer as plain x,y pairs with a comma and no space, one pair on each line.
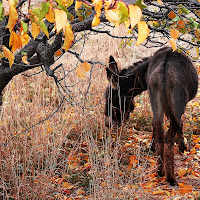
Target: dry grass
72,154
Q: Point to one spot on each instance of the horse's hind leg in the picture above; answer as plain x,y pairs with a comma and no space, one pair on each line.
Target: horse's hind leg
158,136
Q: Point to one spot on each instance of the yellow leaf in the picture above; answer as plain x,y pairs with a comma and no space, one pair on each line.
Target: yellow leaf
160,2
86,66
12,3
193,151
185,188
80,72
173,44
112,16
13,17
69,37
15,41
60,19
67,185
9,55
78,4
24,38
182,172
174,33
96,20
197,146
80,192
98,6
127,24
143,32
50,15
35,30
24,59
135,14
159,191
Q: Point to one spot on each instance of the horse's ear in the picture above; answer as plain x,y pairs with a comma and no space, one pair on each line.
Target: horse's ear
112,72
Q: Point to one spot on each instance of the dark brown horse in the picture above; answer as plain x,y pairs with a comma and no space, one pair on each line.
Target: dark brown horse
172,81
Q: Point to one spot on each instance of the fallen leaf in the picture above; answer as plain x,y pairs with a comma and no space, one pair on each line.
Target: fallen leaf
80,71
182,172
86,66
159,191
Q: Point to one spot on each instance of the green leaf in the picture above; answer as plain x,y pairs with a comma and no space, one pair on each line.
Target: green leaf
194,23
36,11
177,18
140,4
123,12
43,28
183,9
1,11
43,10
24,26
63,8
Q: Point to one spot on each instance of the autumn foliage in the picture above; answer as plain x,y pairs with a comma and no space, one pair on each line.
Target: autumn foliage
53,140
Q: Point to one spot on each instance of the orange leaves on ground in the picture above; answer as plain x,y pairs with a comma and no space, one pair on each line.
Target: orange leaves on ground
133,161
60,19
9,55
13,17
135,14
182,172
143,32
78,4
86,66
35,30
67,185
159,191
82,68
69,37
185,188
